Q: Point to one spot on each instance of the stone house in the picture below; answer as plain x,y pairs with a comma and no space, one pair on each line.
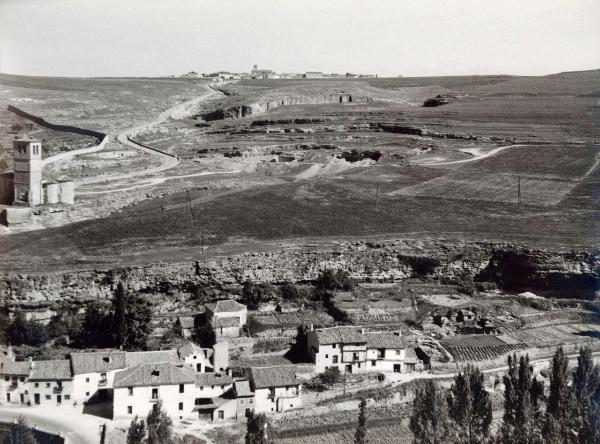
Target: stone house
276,389
227,318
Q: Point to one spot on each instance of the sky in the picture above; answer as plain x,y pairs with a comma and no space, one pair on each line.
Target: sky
95,38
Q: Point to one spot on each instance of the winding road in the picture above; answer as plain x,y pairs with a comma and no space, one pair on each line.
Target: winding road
476,156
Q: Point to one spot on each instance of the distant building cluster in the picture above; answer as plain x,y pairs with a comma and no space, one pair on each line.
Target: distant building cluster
24,187
262,73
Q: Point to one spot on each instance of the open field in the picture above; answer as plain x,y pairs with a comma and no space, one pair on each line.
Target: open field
282,173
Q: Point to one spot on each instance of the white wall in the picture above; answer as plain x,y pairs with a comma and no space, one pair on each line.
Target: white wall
84,389
47,394
285,398
15,392
201,359
212,391
141,401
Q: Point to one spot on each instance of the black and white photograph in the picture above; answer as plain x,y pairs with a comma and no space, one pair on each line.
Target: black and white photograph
299,222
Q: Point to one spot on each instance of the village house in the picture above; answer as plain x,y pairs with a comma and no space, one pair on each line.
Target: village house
196,357
185,325
341,347
227,318
13,377
50,382
245,398
276,389
352,350
93,374
215,399
138,389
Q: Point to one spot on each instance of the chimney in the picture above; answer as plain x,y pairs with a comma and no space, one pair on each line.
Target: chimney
31,362
362,330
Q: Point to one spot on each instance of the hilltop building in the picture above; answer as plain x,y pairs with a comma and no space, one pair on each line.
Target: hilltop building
261,73
226,318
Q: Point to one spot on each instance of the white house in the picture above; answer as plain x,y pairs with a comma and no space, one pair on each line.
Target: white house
215,399
245,398
137,390
93,373
341,347
196,357
50,382
276,389
353,350
13,377
227,318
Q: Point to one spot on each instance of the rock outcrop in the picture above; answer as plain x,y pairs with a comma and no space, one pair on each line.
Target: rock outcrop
568,274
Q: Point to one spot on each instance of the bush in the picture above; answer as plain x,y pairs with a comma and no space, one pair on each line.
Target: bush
331,280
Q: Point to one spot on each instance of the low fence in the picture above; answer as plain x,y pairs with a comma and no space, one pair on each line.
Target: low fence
67,154
148,147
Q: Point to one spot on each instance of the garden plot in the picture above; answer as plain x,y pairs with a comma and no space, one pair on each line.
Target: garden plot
480,347
493,187
556,334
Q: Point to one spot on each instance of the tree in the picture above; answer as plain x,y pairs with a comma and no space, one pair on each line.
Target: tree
330,376
256,431
586,383
289,292
21,331
331,280
429,422
559,421
137,320
20,433
119,315
360,437
252,295
95,328
160,426
521,418
136,432
470,406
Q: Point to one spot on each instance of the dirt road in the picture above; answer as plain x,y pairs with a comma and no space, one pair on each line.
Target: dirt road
477,155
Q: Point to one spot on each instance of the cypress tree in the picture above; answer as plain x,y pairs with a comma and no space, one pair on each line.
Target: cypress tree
160,426
560,400
256,429
429,422
20,433
586,383
120,327
470,406
360,436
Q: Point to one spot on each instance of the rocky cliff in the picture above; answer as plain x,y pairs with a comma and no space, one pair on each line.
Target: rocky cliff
568,274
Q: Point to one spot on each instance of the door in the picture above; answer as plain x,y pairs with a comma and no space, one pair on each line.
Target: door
8,397
22,396
36,398
396,368
59,399
349,368
198,367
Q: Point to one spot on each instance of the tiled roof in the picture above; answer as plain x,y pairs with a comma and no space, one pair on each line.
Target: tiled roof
190,348
137,358
228,305
263,377
58,369
97,362
204,379
384,340
151,374
340,335
242,388
9,367
227,322
186,322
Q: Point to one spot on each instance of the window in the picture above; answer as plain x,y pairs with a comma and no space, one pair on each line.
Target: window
212,386
251,401
373,363
201,388
130,390
181,388
222,387
87,379
334,346
87,393
154,393
129,409
48,397
326,356
22,379
181,406
241,401
194,357
67,397
335,359
103,377
220,414
7,378
47,385
355,356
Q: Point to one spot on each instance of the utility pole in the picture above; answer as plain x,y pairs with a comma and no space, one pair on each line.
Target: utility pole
376,196
519,192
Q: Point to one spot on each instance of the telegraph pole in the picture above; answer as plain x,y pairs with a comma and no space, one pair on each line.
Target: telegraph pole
519,192
376,196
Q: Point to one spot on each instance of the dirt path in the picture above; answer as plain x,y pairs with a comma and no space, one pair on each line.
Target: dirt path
168,161
71,424
477,155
